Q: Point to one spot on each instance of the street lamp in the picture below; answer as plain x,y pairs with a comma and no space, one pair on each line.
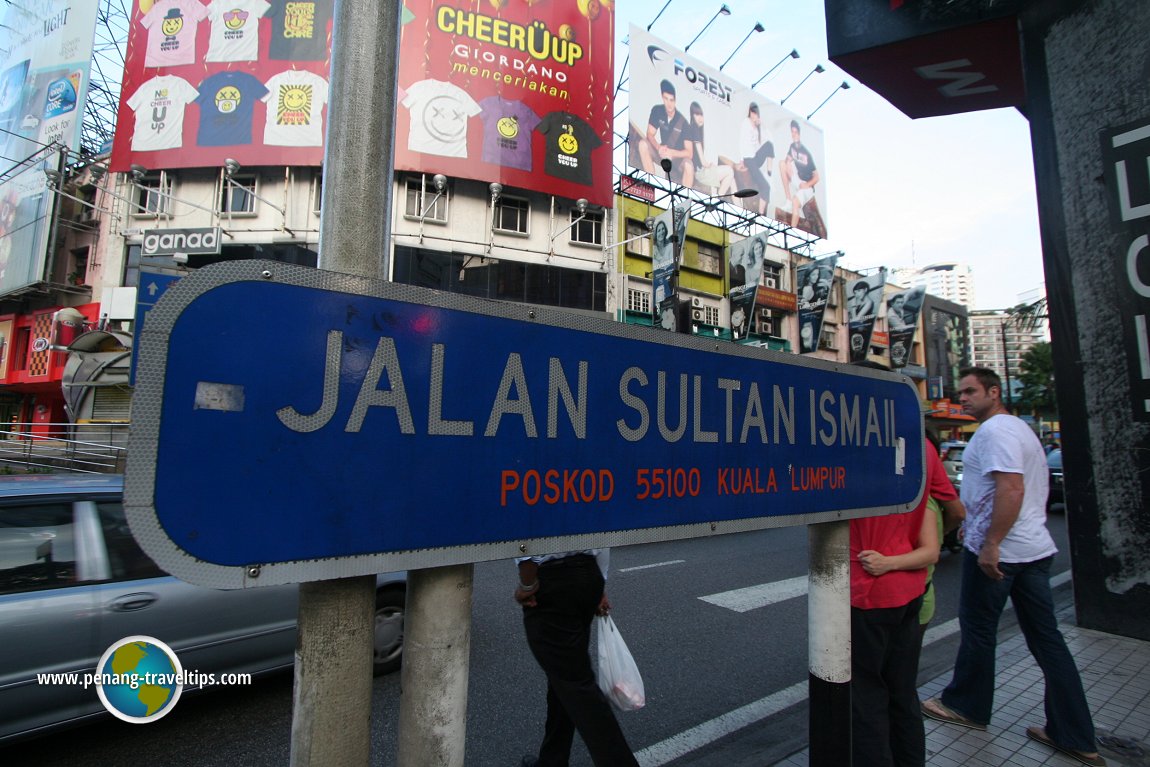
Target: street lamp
817,70
844,86
794,54
723,11
757,28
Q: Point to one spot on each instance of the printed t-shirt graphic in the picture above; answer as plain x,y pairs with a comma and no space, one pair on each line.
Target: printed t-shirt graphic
227,102
171,26
570,142
439,113
507,127
235,29
299,30
159,106
295,109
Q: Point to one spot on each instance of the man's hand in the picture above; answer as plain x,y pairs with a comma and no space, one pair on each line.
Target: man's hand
526,597
988,561
604,605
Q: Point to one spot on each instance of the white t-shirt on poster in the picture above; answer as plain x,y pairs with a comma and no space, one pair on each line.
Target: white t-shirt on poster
295,102
439,115
1005,443
235,29
159,106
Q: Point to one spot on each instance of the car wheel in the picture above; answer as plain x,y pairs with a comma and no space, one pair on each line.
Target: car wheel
388,644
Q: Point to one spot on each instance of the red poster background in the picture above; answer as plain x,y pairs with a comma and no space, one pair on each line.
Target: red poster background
429,52
190,155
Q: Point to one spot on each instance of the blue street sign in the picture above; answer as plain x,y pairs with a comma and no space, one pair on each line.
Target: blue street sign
152,286
291,424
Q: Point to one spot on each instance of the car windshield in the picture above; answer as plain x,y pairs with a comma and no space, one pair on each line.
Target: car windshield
953,454
1054,459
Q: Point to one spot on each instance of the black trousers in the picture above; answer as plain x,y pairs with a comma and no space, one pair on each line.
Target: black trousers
559,635
886,717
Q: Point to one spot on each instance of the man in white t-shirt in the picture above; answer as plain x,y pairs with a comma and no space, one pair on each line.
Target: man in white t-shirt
1008,552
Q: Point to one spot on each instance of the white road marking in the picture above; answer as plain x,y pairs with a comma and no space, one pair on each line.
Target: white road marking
752,597
704,734
648,567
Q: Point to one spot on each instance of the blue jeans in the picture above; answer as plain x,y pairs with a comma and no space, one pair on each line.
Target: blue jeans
971,690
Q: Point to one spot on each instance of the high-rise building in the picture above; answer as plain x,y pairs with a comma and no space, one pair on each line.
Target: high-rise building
999,343
953,282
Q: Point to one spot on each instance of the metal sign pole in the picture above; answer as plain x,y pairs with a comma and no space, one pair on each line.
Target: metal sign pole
331,702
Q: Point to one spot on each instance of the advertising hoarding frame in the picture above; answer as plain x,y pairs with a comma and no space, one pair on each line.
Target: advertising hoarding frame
748,140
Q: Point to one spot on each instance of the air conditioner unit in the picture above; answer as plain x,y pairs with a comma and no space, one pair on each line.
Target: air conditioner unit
771,282
696,302
766,314
697,313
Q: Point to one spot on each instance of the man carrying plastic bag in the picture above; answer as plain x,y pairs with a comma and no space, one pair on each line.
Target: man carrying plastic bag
560,595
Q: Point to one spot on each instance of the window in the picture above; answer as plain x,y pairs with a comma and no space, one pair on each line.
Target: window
502,279
317,192
39,547
153,193
709,259
638,238
511,215
711,315
772,275
423,201
829,338
589,229
239,196
639,301
126,560
132,267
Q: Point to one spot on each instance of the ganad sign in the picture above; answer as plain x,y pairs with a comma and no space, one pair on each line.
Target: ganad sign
167,242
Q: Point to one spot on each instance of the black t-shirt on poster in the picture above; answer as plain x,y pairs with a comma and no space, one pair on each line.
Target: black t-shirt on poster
299,29
570,142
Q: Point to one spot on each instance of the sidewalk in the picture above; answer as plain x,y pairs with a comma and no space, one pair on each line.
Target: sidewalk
1115,672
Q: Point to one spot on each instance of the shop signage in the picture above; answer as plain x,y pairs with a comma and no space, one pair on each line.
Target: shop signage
167,242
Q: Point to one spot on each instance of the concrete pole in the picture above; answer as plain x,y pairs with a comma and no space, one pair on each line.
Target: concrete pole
331,699
829,648
331,705
436,647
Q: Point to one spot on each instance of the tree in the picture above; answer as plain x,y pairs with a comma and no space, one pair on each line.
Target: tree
1037,377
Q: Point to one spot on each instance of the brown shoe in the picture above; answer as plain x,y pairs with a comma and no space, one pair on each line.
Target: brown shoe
933,708
1091,758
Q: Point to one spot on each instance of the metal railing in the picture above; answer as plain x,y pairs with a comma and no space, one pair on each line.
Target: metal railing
88,448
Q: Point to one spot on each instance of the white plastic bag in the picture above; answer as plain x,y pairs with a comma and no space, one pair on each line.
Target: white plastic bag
618,675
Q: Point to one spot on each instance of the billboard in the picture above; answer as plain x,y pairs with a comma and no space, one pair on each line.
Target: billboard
902,310
667,237
243,79
744,268
816,280
721,136
45,61
519,93
864,295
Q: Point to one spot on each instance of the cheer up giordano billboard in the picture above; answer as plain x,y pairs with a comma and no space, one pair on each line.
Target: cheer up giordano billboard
514,91
245,79
741,147
45,60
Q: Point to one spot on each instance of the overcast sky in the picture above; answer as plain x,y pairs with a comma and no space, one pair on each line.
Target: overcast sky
901,192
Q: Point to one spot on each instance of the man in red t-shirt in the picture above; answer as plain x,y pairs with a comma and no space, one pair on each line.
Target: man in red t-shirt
889,557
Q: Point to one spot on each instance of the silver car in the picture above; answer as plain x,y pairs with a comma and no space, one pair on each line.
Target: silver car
73,582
